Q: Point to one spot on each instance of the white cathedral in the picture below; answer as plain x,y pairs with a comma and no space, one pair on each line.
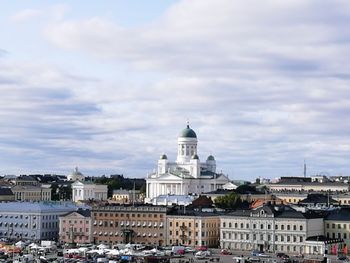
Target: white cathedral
187,175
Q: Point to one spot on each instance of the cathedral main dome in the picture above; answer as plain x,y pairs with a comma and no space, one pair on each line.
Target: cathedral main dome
188,133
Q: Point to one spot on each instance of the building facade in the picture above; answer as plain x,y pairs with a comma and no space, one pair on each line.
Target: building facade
31,220
123,196
88,191
187,175
269,228
31,193
118,224
193,228
337,226
75,227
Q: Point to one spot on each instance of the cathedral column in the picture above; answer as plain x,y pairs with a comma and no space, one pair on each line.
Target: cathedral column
176,188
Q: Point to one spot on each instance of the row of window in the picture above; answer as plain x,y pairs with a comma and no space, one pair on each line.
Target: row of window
338,235
101,233
128,215
289,248
49,224
127,223
189,233
74,221
262,237
338,226
14,224
16,216
262,226
190,224
75,229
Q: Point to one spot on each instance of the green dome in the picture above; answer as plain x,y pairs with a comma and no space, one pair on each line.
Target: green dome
210,158
195,157
163,157
188,133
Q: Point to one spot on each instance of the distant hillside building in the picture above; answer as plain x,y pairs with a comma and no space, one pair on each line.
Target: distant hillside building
187,175
76,176
88,191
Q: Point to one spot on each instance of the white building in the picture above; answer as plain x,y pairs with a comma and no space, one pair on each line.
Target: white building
269,228
187,175
32,220
88,191
76,176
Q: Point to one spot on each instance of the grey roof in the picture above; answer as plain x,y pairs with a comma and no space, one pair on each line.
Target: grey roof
83,212
278,211
26,178
318,199
342,214
36,206
5,191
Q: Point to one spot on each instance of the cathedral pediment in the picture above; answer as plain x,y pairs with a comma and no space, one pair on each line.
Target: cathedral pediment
168,176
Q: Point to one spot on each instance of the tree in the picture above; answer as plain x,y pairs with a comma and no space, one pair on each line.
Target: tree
246,189
229,201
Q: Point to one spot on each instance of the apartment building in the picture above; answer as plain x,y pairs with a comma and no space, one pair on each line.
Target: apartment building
193,228
269,228
139,224
75,227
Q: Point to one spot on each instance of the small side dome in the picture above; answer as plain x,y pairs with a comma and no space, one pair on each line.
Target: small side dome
188,133
210,158
195,157
163,157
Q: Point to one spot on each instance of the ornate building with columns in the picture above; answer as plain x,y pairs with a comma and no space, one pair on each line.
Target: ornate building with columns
187,175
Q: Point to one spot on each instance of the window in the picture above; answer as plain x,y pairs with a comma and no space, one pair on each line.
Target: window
344,236
333,226
276,227
170,224
288,227
339,226
230,225
268,226
282,227
301,228
261,226
223,224
294,227
236,225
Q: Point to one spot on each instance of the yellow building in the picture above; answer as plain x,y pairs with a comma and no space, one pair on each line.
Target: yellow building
192,228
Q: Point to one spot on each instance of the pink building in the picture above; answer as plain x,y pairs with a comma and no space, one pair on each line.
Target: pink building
75,227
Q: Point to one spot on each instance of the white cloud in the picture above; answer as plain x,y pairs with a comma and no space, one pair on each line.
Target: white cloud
25,15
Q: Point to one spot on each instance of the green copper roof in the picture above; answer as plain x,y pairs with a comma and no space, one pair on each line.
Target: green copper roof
195,157
188,133
163,157
211,158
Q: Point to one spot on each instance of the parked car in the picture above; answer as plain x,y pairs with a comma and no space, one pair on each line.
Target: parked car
225,252
282,255
256,253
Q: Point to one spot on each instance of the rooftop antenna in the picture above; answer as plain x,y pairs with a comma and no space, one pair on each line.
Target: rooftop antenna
133,195
304,168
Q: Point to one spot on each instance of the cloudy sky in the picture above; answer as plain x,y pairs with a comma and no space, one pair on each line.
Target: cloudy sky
108,85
